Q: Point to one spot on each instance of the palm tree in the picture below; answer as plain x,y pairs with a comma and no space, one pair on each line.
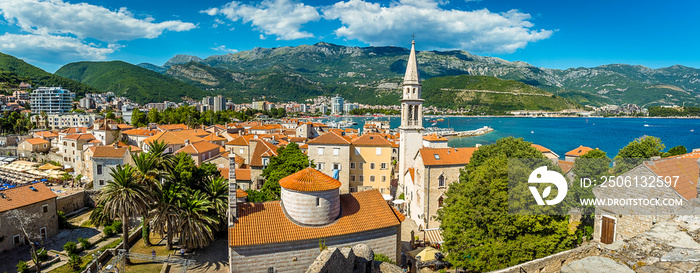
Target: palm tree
98,217
147,174
217,192
164,211
123,197
196,222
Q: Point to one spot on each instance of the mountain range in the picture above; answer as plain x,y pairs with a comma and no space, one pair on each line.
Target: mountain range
373,75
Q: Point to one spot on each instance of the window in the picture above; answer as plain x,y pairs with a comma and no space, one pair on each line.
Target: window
437,156
318,202
72,144
383,166
99,169
319,166
265,161
102,182
382,190
45,208
383,178
42,232
353,189
441,181
379,151
16,239
337,166
352,165
371,178
352,178
357,151
440,202
240,150
336,151
371,166
362,178
362,165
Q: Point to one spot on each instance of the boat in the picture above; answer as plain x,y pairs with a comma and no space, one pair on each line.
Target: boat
433,124
441,119
692,130
532,132
646,125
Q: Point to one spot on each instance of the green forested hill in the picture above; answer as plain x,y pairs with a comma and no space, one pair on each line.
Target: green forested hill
13,69
139,84
489,95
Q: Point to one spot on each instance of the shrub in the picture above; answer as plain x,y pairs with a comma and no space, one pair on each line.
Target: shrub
401,196
70,247
75,261
117,226
109,231
84,243
43,255
62,220
383,258
22,267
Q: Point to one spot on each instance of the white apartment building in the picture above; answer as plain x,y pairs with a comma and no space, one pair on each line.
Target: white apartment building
51,100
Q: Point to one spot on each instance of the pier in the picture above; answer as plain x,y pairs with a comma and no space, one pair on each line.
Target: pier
449,133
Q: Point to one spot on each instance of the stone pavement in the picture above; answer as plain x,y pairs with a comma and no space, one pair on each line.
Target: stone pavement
213,258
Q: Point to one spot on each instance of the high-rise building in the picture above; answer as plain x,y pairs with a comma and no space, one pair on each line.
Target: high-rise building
87,103
337,105
219,103
349,107
51,100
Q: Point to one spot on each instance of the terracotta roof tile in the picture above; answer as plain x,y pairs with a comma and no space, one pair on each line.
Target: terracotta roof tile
446,156
46,134
22,196
265,223
541,148
309,179
80,137
243,174
240,141
110,151
36,141
687,170
75,130
172,127
581,150
198,148
330,138
124,126
261,148
566,166
371,140
434,137
140,132
173,138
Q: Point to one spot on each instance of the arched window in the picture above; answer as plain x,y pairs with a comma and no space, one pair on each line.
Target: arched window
440,202
441,181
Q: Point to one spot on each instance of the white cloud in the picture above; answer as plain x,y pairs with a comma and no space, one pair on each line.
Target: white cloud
281,18
224,49
50,48
84,20
435,27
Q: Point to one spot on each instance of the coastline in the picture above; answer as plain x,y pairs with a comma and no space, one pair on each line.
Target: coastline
509,116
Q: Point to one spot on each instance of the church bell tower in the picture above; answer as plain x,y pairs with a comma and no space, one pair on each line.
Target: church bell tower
411,138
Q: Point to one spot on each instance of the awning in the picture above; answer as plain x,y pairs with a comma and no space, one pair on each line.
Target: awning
398,201
387,197
433,236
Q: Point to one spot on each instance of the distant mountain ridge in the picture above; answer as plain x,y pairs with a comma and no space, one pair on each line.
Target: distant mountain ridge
137,83
373,67
14,68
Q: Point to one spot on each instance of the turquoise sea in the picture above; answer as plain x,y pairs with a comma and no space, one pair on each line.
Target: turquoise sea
564,134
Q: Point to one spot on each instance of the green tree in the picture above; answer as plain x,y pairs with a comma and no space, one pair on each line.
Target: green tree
138,118
592,165
124,196
636,152
479,233
196,221
289,160
154,116
216,191
678,150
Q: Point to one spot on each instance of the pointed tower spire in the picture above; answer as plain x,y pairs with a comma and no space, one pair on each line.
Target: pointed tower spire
411,76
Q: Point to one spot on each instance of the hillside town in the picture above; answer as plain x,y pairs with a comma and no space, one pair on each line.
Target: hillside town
343,199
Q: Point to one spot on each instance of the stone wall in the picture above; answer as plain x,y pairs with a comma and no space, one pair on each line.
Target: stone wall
71,202
552,263
297,256
311,208
433,191
48,220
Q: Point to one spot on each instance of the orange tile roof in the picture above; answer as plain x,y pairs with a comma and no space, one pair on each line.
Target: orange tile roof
140,132
196,132
371,140
581,150
75,130
309,179
687,170
412,172
566,166
46,134
263,147
446,156
240,141
198,147
124,126
434,137
170,127
110,151
398,214
173,138
695,154
22,196
541,148
266,223
241,193
80,137
243,174
36,141
214,137
331,138
266,127
297,139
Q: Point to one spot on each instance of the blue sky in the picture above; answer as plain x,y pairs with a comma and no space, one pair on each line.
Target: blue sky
551,34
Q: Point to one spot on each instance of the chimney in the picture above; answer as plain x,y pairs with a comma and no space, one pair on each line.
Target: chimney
187,142
232,188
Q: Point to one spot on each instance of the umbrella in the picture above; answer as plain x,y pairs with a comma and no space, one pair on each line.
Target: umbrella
44,180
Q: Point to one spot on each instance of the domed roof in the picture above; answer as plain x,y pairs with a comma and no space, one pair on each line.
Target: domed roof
309,179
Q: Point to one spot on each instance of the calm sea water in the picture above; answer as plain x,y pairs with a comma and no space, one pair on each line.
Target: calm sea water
564,134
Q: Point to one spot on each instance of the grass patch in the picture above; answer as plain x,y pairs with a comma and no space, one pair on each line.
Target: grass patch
148,266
